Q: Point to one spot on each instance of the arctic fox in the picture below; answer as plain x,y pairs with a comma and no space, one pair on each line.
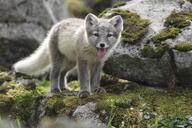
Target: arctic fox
73,42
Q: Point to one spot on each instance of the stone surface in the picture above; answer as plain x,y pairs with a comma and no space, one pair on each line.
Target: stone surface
24,24
87,116
127,61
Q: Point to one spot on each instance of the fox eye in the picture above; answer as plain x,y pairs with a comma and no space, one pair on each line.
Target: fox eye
96,34
109,35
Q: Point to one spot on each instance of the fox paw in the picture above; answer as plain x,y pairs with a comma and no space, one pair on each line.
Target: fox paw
99,90
84,94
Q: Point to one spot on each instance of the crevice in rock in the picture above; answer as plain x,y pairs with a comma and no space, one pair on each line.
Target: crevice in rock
173,70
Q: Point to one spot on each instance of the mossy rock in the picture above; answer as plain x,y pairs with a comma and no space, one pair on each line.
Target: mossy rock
77,8
24,103
118,4
157,52
184,47
4,76
169,33
135,28
6,104
127,109
99,5
178,20
130,108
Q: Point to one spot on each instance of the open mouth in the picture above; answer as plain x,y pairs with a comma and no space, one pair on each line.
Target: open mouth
101,52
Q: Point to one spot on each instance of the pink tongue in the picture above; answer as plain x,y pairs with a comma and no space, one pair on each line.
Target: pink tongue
101,53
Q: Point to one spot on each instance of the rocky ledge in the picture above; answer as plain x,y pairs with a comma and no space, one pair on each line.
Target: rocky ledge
126,104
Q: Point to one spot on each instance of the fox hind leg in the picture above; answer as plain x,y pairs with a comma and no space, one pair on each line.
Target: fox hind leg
62,81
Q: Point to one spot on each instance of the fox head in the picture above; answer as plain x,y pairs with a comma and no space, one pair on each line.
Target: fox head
104,34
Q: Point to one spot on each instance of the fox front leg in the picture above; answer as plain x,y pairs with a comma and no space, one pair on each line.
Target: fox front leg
83,76
95,78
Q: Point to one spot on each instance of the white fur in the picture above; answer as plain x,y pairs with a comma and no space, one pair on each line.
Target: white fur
72,42
37,63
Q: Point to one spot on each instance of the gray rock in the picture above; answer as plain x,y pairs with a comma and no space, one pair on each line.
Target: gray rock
142,70
127,62
183,62
88,118
24,24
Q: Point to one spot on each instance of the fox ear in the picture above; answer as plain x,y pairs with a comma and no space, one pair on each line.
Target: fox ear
117,22
90,20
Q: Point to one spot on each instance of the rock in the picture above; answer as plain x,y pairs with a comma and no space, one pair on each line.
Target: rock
87,116
183,62
23,26
162,57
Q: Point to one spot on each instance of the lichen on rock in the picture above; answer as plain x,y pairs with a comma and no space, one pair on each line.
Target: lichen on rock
134,27
184,47
165,34
118,4
157,52
178,19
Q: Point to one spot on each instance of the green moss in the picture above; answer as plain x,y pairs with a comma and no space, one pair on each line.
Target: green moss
183,47
118,4
24,103
5,104
104,12
74,86
136,103
129,108
157,52
6,87
178,20
134,27
4,76
21,102
43,87
77,8
99,5
54,105
165,34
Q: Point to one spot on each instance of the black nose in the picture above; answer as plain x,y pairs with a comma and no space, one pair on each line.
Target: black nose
102,45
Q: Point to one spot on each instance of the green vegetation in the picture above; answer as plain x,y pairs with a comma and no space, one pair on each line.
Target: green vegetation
24,103
157,52
77,8
174,23
183,47
134,27
178,20
118,4
103,13
136,107
165,34
4,77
